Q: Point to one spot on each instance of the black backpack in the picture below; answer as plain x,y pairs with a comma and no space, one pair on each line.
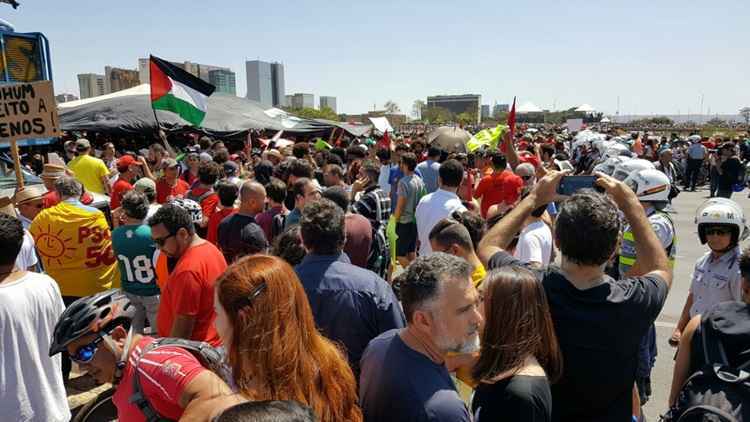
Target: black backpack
277,225
379,257
717,392
210,357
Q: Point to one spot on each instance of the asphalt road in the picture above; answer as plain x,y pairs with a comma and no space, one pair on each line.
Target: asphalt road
689,249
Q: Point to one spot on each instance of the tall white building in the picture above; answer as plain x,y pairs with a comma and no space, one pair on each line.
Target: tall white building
265,83
90,85
329,102
303,101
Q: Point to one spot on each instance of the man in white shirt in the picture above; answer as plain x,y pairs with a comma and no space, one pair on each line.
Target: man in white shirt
440,204
535,241
30,305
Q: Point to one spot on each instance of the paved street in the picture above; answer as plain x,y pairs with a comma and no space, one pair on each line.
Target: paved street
689,250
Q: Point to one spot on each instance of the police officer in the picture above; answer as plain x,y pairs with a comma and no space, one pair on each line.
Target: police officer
651,186
716,277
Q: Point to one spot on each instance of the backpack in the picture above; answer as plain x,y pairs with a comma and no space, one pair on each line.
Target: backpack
210,357
199,198
380,251
717,392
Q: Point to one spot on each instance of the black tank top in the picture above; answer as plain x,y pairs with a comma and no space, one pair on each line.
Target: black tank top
728,322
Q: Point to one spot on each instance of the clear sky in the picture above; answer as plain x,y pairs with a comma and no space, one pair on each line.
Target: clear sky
657,56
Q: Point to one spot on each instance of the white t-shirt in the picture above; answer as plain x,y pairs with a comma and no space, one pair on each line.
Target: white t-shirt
432,208
535,244
32,384
27,255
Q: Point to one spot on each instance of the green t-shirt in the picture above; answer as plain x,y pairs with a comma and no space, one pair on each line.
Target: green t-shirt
134,249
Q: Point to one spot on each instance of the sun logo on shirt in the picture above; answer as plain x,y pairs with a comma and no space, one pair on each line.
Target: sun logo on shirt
53,246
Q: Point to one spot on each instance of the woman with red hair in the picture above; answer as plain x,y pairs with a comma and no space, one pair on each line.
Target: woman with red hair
275,351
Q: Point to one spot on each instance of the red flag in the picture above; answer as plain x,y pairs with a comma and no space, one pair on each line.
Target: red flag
385,142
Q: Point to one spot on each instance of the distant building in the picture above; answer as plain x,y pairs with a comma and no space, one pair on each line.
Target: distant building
329,102
223,80
64,98
303,101
485,111
457,104
288,100
90,85
116,79
202,71
500,108
265,83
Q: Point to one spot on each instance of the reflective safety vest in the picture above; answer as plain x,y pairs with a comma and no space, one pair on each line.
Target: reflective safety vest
627,247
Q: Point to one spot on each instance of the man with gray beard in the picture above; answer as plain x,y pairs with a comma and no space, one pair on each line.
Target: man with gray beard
403,376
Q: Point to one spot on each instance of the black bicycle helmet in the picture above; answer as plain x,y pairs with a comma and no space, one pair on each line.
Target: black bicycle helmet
101,312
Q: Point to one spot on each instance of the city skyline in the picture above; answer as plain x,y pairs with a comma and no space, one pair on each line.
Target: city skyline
656,57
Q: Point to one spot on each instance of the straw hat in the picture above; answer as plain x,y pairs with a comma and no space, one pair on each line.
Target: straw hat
53,171
29,193
6,207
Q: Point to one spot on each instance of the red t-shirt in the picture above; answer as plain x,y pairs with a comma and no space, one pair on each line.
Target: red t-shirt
213,224
164,191
51,198
164,374
466,190
190,291
208,204
119,189
500,186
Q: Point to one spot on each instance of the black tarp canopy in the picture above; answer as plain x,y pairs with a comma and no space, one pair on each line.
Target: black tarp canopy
129,111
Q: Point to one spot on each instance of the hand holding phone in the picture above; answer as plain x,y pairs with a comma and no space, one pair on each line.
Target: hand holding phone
569,185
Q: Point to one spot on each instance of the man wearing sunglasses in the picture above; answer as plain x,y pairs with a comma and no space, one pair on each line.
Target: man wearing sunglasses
29,202
95,332
716,277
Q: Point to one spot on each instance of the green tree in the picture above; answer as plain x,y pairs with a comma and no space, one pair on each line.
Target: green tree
466,118
437,115
312,113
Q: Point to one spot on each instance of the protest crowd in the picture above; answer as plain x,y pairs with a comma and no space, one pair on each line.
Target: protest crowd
378,278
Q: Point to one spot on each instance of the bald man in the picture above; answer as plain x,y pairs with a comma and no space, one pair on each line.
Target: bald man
252,200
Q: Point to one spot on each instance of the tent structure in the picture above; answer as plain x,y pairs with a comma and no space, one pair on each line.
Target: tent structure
605,120
585,108
129,111
528,107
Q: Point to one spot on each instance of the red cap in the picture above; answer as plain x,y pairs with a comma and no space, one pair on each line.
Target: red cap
126,161
527,157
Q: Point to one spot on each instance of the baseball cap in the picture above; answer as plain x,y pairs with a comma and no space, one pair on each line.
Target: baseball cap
253,237
231,168
145,185
126,161
82,144
170,162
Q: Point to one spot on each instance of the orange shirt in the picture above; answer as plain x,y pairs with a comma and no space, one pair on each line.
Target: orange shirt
213,224
190,291
208,204
500,186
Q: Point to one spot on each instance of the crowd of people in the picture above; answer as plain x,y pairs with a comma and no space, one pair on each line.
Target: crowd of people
370,280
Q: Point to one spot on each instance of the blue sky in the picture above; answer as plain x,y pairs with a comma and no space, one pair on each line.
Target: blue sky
657,56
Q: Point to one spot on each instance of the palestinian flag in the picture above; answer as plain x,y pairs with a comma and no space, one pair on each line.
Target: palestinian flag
175,90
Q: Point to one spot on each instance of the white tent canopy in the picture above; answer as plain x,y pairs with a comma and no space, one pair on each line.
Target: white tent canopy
605,120
585,108
528,107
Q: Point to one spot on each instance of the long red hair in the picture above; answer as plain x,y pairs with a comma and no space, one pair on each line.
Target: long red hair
276,352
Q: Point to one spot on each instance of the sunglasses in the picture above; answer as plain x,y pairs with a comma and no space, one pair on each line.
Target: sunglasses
716,232
527,177
85,354
160,241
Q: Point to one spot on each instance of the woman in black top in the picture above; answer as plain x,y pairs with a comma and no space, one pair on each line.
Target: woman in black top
728,323
520,355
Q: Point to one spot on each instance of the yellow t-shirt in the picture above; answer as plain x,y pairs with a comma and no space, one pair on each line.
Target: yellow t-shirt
90,171
75,245
478,275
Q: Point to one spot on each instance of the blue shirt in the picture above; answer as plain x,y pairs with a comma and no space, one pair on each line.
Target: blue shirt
351,305
430,171
400,384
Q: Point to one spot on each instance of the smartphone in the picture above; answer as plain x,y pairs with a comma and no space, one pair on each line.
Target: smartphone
572,184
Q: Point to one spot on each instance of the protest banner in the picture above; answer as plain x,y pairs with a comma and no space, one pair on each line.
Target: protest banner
27,110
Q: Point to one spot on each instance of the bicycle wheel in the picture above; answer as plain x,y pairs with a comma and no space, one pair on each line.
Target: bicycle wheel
100,409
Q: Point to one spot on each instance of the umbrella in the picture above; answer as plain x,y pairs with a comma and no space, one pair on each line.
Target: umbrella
450,139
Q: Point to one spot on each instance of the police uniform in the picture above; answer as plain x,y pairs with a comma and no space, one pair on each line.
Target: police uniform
663,226
715,280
